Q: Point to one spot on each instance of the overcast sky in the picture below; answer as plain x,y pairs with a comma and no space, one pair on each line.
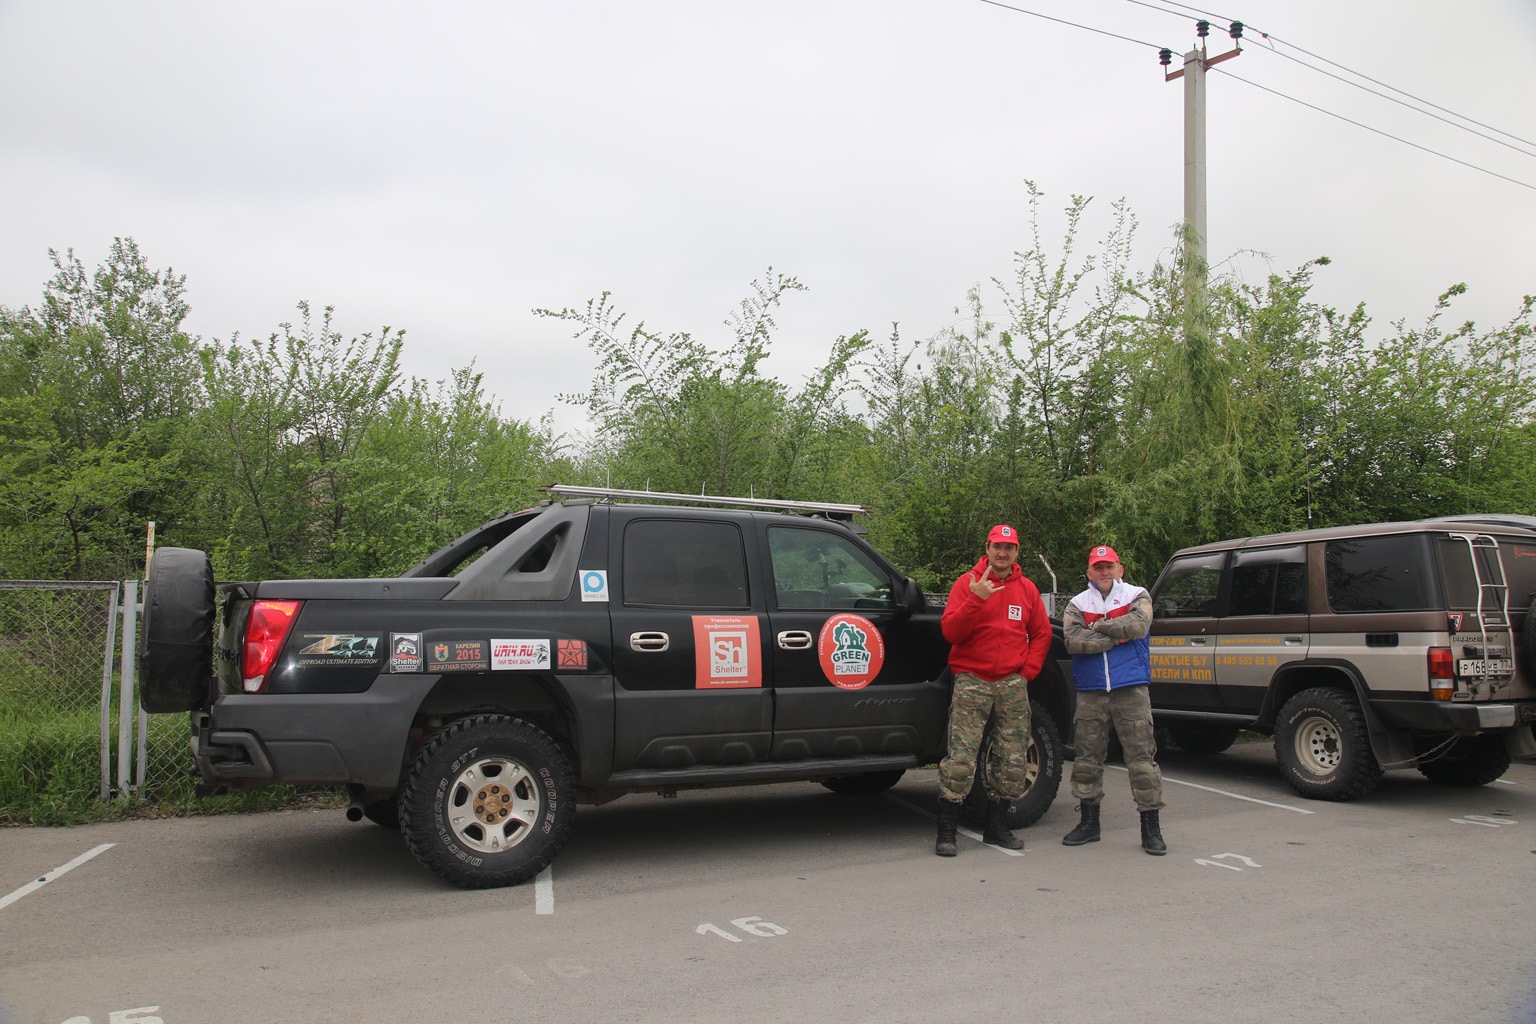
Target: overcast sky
447,168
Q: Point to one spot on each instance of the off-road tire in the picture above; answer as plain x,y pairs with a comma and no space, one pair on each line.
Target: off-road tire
1045,757
489,801
868,784
1470,761
1323,747
1203,739
175,652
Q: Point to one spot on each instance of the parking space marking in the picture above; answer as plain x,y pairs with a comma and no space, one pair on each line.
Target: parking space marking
32,887
544,891
1223,792
960,829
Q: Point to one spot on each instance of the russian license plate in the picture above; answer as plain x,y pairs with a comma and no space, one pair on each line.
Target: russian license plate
1485,667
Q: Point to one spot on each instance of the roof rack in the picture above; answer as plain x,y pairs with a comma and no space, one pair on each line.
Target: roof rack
609,494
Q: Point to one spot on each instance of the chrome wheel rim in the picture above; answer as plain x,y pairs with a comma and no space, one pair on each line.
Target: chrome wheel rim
493,805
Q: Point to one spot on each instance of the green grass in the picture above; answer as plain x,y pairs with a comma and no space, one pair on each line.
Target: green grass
50,773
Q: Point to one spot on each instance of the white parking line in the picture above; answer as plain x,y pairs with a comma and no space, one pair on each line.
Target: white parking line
1223,792
544,891
32,887
962,830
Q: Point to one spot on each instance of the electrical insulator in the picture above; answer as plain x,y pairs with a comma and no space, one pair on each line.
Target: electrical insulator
1202,29
1236,31
1165,56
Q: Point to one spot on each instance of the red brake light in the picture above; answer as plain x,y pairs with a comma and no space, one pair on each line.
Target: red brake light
266,630
1442,673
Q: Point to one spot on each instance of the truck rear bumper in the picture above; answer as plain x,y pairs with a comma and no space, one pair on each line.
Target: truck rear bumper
308,739
1435,716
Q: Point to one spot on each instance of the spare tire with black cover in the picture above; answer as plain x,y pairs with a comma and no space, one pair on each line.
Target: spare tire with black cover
176,631
1044,773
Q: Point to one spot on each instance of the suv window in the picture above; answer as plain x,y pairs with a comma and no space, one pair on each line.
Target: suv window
1269,581
817,569
1380,574
1189,588
685,563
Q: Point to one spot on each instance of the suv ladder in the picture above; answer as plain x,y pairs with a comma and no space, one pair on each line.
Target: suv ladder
1492,600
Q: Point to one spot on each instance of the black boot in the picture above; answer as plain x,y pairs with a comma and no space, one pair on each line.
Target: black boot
996,833
1087,830
1152,834
949,819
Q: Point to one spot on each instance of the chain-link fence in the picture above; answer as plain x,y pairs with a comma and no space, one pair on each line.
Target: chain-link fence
69,728
57,684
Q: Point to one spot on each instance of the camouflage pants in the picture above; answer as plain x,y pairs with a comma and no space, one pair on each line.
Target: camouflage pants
1129,711
974,700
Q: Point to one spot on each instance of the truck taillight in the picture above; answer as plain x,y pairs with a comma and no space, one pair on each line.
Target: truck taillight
266,629
1442,673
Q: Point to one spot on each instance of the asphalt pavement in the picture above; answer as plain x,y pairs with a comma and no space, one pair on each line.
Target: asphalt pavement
791,903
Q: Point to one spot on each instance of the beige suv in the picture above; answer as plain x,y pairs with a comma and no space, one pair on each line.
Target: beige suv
1361,648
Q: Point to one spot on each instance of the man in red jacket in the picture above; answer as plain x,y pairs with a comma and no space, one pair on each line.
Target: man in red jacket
999,636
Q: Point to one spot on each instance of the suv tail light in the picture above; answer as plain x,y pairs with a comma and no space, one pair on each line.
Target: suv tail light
266,630
1442,673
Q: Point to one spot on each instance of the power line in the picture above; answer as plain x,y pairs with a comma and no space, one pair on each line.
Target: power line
1378,131
1063,21
1405,103
1272,39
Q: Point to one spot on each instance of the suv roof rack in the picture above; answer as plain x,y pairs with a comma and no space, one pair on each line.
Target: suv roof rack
824,508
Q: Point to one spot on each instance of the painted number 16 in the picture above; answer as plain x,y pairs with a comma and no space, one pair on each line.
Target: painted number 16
751,925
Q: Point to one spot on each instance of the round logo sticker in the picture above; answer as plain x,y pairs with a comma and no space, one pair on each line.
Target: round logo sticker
851,651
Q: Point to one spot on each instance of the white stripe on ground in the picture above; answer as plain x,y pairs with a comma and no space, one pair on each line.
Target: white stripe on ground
32,887
1223,792
544,892
961,830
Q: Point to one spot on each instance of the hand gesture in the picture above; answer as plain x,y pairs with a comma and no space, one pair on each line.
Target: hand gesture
982,587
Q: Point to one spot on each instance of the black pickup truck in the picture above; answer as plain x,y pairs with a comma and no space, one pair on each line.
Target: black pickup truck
599,644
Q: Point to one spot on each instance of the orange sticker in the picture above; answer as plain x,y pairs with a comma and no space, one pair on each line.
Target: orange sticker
571,654
727,652
851,650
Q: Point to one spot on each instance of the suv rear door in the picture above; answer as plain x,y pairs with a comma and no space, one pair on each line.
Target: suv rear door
1265,622
688,657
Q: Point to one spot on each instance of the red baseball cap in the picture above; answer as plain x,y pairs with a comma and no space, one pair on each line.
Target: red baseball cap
1002,533
1102,553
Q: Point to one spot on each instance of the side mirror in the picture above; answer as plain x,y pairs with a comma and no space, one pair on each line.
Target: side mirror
909,596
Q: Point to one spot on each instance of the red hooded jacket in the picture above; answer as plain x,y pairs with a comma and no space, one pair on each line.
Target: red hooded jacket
1006,633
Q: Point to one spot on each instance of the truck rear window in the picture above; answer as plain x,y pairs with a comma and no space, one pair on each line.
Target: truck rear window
1370,574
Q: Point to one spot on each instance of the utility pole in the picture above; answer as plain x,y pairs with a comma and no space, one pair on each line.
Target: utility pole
1193,72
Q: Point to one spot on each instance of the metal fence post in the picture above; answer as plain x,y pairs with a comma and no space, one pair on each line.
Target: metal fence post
106,696
126,684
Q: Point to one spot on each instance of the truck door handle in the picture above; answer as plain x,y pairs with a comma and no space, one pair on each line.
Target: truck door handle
1197,641
794,640
1293,641
649,641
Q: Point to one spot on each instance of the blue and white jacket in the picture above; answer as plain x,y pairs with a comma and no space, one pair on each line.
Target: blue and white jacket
1107,637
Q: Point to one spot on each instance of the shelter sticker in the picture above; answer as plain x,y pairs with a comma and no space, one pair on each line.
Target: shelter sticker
727,652
405,652
851,651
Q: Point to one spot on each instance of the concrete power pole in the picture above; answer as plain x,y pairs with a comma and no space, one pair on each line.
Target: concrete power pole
1193,72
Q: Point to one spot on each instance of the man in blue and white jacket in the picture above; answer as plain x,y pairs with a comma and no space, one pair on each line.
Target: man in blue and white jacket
1105,628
